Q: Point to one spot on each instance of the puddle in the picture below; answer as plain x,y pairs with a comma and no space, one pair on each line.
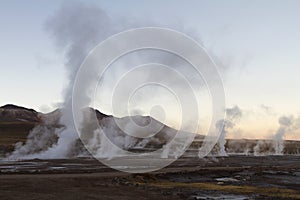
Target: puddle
219,197
226,179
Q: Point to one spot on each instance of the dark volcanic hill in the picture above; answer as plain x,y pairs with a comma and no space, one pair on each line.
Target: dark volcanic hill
16,114
13,113
16,123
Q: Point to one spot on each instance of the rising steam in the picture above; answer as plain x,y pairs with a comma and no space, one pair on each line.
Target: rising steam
232,116
285,123
76,29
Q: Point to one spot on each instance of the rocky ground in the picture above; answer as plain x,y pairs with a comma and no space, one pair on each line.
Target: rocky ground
233,177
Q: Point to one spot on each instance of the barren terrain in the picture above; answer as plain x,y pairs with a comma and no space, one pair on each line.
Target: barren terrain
233,177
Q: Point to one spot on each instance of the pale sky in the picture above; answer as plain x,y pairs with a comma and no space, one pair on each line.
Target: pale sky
258,40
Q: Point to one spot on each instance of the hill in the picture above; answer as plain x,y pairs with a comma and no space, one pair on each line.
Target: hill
17,122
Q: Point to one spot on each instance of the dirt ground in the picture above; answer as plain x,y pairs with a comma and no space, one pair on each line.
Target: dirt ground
233,177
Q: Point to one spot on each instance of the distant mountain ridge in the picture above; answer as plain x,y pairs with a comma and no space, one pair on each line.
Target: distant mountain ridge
13,113
12,106
17,114
16,123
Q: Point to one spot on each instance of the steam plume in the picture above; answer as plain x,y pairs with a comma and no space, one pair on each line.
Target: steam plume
76,28
232,116
285,123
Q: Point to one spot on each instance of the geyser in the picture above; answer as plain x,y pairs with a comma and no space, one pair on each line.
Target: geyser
232,116
285,123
